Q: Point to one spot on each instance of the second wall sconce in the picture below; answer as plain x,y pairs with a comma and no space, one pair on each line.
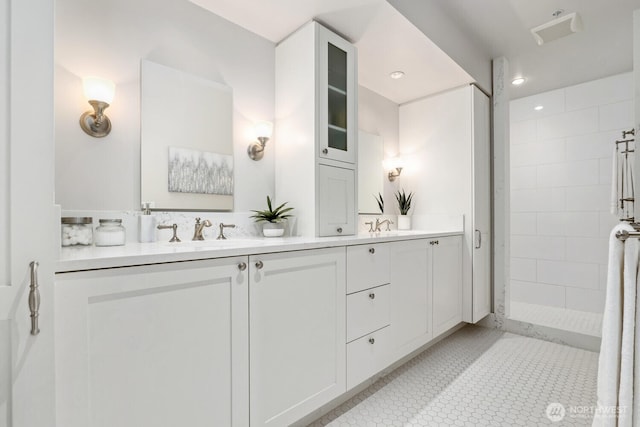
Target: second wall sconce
263,131
394,165
99,92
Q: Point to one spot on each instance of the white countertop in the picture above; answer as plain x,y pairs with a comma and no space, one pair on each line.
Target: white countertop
92,258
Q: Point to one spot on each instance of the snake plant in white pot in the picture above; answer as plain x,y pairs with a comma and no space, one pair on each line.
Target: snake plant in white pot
404,204
273,219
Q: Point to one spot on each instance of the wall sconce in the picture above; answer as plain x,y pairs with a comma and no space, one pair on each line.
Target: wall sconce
99,92
263,131
394,165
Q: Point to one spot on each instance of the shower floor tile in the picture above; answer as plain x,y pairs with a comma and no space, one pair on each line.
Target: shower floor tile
478,377
582,322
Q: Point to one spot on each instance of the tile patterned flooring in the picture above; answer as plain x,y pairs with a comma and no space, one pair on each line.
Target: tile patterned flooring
559,318
478,377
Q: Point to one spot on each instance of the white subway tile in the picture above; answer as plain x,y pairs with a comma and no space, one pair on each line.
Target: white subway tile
524,200
565,273
522,132
523,224
524,247
523,269
602,279
551,248
585,300
607,222
582,224
584,172
616,116
537,293
581,122
550,200
523,177
593,198
539,153
523,108
587,249
551,224
606,170
592,146
598,92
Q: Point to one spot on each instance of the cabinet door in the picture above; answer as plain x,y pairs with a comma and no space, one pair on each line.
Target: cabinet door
297,322
481,296
337,97
163,346
446,275
410,296
336,201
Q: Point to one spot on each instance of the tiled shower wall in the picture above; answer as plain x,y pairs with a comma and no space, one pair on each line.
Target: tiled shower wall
561,158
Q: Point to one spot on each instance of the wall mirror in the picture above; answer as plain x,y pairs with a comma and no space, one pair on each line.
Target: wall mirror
186,140
370,172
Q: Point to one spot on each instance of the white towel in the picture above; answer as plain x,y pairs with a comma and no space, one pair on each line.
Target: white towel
617,351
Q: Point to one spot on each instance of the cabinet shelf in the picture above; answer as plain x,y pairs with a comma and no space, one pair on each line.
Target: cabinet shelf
337,128
337,90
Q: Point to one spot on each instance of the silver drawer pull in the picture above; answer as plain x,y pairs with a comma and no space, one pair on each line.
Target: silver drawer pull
339,230
372,295
259,265
325,151
34,298
242,266
372,341
372,250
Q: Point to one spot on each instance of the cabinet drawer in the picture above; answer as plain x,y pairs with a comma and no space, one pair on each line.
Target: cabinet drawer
367,311
367,266
367,356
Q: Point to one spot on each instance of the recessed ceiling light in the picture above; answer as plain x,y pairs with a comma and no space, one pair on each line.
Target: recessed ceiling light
538,107
518,81
397,75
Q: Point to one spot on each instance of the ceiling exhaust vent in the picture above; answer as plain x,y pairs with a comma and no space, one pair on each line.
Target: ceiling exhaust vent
557,28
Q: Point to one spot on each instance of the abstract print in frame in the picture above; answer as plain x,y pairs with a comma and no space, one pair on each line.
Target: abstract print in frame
199,172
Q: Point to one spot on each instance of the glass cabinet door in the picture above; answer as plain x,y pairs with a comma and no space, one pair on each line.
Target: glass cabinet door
337,96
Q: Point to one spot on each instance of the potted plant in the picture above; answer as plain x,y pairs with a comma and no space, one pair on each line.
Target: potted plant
272,219
380,201
404,204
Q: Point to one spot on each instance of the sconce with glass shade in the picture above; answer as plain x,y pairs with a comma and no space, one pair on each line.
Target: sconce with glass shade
394,165
262,131
99,92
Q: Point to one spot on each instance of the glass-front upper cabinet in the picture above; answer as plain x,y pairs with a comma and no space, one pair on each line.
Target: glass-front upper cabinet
337,90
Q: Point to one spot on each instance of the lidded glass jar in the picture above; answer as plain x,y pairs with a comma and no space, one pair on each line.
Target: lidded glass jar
76,231
110,232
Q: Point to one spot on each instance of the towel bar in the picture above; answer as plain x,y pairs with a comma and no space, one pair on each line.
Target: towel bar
624,234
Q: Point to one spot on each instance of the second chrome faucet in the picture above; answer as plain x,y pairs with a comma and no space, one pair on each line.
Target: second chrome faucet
197,232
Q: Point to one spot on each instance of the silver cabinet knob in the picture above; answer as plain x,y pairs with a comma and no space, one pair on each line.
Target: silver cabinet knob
242,266
372,295
259,265
339,229
372,341
372,250
325,151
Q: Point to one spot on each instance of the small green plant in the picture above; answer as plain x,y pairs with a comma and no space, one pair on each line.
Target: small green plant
404,201
276,215
380,201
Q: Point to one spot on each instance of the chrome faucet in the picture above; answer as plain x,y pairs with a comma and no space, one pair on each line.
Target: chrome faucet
370,224
221,236
197,233
379,224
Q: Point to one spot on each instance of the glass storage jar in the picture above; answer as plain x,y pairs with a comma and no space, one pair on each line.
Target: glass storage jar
110,232
76,231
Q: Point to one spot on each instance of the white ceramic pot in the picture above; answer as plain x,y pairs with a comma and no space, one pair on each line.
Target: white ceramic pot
404,222
273,229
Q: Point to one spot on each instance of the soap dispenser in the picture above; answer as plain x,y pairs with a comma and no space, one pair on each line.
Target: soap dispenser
146,225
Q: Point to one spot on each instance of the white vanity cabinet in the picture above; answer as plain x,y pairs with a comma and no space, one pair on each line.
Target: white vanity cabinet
411,296
445,271
159,345
297,324
316,130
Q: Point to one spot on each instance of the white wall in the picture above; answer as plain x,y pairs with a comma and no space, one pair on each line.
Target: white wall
561,161
380,116
109,40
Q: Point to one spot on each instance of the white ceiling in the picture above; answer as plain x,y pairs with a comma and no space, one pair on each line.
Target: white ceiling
387,41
